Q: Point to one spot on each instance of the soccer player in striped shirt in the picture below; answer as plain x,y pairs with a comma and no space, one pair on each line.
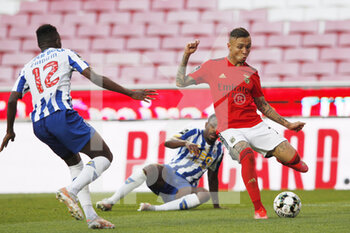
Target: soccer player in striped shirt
176,182
47,76
236,93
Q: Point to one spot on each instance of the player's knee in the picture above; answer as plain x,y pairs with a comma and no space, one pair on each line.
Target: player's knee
248,154
203,196
152,173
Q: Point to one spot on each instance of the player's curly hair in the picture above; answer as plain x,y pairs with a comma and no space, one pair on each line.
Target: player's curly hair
239,32
46,33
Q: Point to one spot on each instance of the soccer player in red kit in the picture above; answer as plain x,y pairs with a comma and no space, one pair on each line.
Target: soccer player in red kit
236,93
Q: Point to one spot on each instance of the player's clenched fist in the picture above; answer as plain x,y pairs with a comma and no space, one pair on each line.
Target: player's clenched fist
191,47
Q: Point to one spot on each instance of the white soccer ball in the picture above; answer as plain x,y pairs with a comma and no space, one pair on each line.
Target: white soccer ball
287,205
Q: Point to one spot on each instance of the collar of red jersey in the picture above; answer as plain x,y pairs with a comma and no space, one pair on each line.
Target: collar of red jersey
230,64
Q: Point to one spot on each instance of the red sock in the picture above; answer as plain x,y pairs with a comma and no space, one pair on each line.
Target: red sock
296,163
249,176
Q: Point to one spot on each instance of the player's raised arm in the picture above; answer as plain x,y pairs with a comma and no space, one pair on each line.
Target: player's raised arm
11,115
108,84
265,108
183,80
175,142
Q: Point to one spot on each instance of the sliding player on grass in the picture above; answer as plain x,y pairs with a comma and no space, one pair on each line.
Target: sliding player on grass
236,93
176,182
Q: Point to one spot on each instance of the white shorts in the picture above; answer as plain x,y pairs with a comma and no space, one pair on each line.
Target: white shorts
261,137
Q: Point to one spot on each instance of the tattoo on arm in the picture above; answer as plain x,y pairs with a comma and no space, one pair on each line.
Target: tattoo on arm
268,111
182,80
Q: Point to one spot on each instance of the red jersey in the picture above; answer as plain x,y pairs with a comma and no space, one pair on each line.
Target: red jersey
233,89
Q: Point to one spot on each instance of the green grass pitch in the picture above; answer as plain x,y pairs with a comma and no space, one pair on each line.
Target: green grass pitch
322,211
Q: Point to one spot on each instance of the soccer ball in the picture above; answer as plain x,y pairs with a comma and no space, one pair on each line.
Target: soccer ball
287,205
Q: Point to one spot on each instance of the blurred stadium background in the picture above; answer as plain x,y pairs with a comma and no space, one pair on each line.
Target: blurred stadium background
300,48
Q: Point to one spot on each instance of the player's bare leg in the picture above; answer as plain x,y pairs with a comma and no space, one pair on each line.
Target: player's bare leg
101,158
247,160
138,177
288,156
186,198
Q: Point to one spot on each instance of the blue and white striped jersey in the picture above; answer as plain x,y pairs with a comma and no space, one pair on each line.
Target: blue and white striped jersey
192,167
47,76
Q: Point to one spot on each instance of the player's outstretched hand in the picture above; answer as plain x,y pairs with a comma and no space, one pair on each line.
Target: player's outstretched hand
9,136
144,95
191,47
296,126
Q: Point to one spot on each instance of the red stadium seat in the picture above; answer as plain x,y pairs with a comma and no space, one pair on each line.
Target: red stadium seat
300,78
30,45
145,43
108,44
159,57
130,58
99,6
168,5
114,18
167,71
282,69
302,55
197,29
213,42
80,19
128,30
16,59
226,28
111,72
183,16
267,28
175,42
258,41
94,31
23,31
344,68
78,45
270,78
149,17
34,7
339,26
324,40
138,72
66,31
284,41
216,16
265,55
54,19
318,68
135,5
258,15
71,7
6,73
334,78
197,58
10,46
96,59
335,54
202,4
304,27
344,40
3,32
162,29
14,20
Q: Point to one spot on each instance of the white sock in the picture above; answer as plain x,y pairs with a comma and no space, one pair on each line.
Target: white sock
84,194
134,181
90,172
186,202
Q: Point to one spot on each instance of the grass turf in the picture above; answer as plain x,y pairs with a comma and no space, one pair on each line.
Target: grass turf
322,211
